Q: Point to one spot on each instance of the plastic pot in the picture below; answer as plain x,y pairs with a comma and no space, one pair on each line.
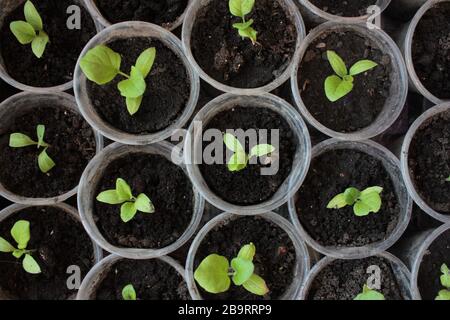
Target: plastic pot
129,30
400,270
87,194
291,11
96,275
23,103
399,78
392,166
12,209
426,116
193,146
7,7
302,257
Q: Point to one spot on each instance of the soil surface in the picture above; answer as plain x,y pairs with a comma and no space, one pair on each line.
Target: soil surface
72,146
429,162
167,93
363,104
168,188
330,174
344,280
274,260
234,61
56,66
428,279
163,13
152,280
431,50
346,8
59,241
249,186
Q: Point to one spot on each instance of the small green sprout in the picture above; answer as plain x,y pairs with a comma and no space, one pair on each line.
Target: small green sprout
214,272
448,179
20,140
128,292
21,234
338,86
239,159
240,8
101,65
130,204
444,294
31,30
369,294
363,202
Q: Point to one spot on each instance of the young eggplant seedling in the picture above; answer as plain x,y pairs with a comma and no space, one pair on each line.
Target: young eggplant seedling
31,30
341,83
214,272
444,294
130,204
21,234
101,65
240,159
363,202
369,294
128,292
20,140
240,8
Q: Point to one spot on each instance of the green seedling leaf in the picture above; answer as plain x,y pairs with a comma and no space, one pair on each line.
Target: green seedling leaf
448,179
369,294
21,233
101,64
18,253
337,202
133,87
30,265
365,202
32,16
243,25
372,190
133,104
248,33
40,132
336,88
128,292
240,8
445,277
237,162
110,197
361,209
243,270
19,140
443,295
5,246
45,162
39,44
144,62
247,252
337,63
23,31
212,274
123,189
351,195
261,150
362,66
256,285
127,211
372,200
233,143
144,204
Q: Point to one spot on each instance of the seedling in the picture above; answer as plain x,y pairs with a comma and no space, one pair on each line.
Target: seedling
214,272
444,294
369,294
240,8
128,292
130,204
341,83
31,30
448,179
21,234
240,159
101,65
363,202
20,140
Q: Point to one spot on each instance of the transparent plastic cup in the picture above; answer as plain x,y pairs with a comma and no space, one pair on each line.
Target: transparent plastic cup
392,166
433,112
401,273
23,103
7,7
300,166
405,42
399,77
96,275
129,30
302,258
12,209
291,11
88,188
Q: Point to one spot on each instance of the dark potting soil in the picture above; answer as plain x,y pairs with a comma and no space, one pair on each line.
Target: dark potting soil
330,174
274,261
429,162
344,280
363,104
234,61
165,98
152,280
59,241
431,50
56,66
72,146
163,13
428,278
249,186
168,188
346,8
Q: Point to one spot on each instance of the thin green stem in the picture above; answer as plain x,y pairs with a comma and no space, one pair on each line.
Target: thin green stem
124,74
